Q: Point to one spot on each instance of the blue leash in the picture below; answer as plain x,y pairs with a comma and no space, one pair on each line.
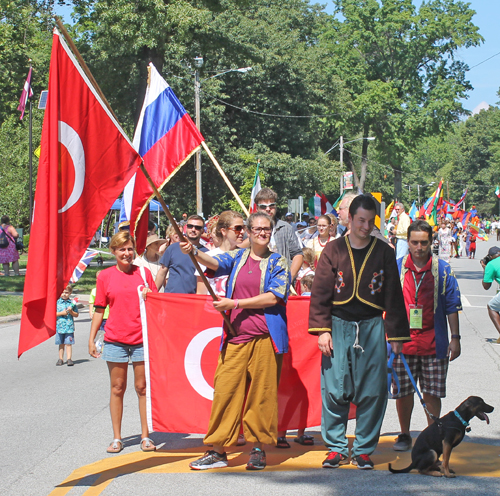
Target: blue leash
392,373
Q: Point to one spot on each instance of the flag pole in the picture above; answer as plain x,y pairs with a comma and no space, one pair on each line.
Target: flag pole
145,172
182,238
69,40
31,157
226,180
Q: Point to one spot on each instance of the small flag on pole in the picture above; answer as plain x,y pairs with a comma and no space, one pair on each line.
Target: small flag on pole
27,93
255,189
497,192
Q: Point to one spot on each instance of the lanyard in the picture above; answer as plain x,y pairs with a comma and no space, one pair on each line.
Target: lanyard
417,286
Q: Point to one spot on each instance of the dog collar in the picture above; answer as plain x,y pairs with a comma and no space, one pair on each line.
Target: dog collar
464,423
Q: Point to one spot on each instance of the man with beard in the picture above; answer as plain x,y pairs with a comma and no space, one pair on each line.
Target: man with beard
178,265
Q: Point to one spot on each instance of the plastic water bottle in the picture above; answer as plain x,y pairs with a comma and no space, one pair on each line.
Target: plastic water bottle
99,342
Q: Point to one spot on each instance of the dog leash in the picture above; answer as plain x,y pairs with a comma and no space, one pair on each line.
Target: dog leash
392,373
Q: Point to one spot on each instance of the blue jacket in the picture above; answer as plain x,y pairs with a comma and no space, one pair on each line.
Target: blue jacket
275,278
446,299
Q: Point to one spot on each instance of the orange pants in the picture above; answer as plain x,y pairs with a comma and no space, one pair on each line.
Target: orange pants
255,367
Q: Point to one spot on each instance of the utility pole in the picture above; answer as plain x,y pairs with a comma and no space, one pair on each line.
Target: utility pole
198,61
341,165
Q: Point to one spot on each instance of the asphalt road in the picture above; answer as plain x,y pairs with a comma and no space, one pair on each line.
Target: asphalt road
55,425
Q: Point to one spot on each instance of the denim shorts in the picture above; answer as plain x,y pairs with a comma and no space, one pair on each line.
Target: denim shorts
121,353
494,303
68,338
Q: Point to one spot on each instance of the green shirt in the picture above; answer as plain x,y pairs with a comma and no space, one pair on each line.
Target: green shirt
492,271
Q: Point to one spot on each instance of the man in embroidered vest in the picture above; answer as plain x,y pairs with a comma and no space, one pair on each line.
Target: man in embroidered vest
356,281
432,296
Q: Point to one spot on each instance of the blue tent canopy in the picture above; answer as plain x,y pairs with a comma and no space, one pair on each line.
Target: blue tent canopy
154,205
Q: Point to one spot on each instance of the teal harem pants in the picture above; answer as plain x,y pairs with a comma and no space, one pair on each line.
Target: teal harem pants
357,376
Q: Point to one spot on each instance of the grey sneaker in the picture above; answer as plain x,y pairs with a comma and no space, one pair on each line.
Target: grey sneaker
70,363
363,462
257,459
59,362
211,459
403,443
334,460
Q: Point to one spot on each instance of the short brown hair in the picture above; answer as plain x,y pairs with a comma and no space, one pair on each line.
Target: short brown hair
307,281
266,194
121,238
196,217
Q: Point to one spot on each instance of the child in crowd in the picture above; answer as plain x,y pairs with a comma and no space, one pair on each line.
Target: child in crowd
306,284
91,305
307,268
472,247
65,325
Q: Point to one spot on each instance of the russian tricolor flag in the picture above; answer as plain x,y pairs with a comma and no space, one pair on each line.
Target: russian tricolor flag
165,137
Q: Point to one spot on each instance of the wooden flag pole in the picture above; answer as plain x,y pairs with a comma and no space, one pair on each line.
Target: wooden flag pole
69,40
226,180
143,169
182,238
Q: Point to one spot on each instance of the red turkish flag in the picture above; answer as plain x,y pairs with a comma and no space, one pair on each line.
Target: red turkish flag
182,348
86,159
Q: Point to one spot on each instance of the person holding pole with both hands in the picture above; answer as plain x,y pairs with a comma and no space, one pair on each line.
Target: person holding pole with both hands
250,359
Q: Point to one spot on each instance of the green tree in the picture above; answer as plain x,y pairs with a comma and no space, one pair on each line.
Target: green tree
400,67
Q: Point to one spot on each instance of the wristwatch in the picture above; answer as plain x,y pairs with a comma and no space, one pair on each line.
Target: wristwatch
195,250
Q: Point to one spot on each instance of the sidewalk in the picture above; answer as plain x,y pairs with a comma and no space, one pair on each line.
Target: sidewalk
83,303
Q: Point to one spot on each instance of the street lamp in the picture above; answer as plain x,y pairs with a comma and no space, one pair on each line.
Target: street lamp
198,63
341,143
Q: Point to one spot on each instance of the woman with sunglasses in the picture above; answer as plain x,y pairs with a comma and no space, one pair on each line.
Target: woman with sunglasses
250,361
229,231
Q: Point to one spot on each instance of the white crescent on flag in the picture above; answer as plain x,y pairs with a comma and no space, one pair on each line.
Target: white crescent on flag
69,138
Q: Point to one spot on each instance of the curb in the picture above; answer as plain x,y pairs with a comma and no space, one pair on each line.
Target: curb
10,318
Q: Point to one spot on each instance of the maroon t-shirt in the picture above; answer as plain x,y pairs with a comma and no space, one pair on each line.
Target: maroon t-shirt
248,324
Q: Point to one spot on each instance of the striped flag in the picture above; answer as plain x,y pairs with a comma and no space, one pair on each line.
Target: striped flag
165,137
497,192
82,265
255,189
27,93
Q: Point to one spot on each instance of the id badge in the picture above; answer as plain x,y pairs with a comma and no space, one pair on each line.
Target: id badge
416,316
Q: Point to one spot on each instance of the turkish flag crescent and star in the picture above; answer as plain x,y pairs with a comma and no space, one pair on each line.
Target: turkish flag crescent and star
86,160
181,346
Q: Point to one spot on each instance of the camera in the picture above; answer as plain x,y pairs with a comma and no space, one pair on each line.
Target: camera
486,260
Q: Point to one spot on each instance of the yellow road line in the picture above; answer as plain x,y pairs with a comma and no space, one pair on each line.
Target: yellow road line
469,459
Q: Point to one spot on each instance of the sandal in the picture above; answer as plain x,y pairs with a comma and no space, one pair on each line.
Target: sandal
305,440
116,446
282,443
147,444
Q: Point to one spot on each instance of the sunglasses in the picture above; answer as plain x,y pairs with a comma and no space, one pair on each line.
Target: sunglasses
192,226
263,206
236,229
258,230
